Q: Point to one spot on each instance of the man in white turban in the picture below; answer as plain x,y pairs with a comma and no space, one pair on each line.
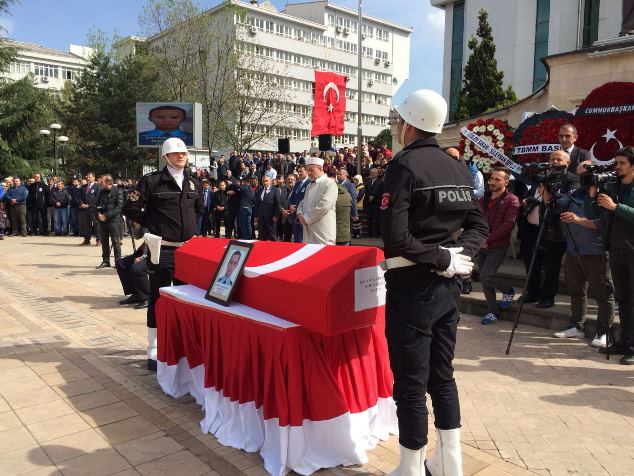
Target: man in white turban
316,212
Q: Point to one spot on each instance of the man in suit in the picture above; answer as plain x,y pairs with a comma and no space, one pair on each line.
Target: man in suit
87,211
267,209
317,211
342,179
567,138
297,195
372,200
285,227
38,202
203,221
220,201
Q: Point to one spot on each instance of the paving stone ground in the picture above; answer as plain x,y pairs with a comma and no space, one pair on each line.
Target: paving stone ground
76,399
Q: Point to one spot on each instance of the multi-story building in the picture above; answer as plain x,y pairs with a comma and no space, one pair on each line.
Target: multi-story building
320,35
524,33
51,68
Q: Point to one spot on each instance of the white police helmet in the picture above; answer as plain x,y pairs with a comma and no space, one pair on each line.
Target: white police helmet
173,144
425,110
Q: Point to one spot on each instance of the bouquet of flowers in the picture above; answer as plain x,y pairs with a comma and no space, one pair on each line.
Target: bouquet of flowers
497,133
540,129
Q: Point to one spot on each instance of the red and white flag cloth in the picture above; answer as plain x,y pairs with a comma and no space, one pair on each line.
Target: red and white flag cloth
330,104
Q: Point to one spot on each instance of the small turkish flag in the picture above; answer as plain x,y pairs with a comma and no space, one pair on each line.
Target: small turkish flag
330,104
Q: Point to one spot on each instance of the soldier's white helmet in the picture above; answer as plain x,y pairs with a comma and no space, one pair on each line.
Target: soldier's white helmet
425,110
173,144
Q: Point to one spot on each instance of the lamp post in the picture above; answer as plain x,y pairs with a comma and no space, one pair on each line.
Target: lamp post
63,139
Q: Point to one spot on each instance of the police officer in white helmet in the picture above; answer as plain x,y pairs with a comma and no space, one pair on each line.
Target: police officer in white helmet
165,202
427,199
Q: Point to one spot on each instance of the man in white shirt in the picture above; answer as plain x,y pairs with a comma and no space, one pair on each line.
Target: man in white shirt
316,212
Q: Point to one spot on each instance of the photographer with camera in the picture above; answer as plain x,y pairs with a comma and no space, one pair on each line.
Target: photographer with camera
553,182
613,200
585,265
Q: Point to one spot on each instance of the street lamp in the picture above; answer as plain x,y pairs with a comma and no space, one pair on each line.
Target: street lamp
63,139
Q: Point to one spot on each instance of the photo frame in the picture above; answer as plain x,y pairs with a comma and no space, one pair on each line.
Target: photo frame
229,271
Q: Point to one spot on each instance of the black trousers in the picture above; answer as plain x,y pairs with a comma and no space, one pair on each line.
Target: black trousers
547,261
622,266
38,220
87,223
133,277
422,314
267,229
160,275
374,227
110,230
231,215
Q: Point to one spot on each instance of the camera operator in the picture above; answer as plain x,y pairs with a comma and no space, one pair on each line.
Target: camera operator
553,181
585,265
615,202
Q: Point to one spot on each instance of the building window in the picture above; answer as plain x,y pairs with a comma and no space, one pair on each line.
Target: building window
457,45
48,70
591,22
19,67
541,43
69,74
331,20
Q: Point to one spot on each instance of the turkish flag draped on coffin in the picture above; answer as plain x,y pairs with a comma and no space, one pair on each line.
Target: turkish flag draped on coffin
330,104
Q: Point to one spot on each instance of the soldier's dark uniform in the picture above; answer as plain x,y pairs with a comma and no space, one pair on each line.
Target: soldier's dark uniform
427,199
169,212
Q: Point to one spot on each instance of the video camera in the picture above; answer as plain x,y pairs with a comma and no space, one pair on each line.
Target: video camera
551,176
599,175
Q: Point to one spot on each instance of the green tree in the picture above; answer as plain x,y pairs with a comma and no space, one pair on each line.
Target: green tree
99,112
384,137
483,89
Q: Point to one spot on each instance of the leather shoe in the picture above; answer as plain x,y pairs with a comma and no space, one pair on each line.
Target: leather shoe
467,287
103,265
85,243
627,359
545,303
151,365
616,349
141,305
129,300
530,298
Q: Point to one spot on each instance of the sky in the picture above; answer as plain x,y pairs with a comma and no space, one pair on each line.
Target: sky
58,23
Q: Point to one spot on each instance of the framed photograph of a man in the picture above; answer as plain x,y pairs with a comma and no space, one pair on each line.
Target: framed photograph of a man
229,270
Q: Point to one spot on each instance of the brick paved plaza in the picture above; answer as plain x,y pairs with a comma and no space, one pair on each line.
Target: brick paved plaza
75,397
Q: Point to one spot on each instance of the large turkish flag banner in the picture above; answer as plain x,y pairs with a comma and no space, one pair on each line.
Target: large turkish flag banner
330,104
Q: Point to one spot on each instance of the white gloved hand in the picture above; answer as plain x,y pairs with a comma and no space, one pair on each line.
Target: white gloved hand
460,264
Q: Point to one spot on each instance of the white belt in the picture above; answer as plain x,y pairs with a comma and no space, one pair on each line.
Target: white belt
397,262
154,244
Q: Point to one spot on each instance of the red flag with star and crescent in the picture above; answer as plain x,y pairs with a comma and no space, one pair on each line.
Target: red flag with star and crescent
330,104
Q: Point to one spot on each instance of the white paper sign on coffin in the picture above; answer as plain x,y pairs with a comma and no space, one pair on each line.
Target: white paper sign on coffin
369,288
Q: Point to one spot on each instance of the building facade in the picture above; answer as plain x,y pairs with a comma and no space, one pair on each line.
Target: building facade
524,33
51,68
320,35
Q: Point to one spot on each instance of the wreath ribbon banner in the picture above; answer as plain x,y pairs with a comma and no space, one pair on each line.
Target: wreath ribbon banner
536,149
605,110
484,146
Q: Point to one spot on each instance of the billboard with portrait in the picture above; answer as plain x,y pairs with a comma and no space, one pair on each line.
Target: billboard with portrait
158,121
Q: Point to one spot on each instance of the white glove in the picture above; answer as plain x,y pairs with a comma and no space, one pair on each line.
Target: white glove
460,264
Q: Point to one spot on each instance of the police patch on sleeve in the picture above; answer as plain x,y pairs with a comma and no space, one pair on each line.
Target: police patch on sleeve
385,201
453,198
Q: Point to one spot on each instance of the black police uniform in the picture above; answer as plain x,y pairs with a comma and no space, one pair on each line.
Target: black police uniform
427,198
169,212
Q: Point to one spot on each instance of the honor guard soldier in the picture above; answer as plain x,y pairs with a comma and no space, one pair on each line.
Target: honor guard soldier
165,202
427,199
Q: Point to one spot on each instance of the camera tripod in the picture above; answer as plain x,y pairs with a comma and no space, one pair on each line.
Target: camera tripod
549,210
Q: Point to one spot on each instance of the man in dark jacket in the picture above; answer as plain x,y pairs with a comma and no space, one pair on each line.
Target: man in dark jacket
501,209
373,192
553,243
37,202
109,206
285,226
220,208
87,212
16,197
60,199
246,195
267,208
74,191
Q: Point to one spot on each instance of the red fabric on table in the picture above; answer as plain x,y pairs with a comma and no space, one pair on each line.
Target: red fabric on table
326,280
293,374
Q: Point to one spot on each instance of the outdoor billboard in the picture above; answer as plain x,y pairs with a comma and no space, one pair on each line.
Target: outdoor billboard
158,121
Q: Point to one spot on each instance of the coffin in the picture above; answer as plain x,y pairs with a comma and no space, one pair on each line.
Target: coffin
327,289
